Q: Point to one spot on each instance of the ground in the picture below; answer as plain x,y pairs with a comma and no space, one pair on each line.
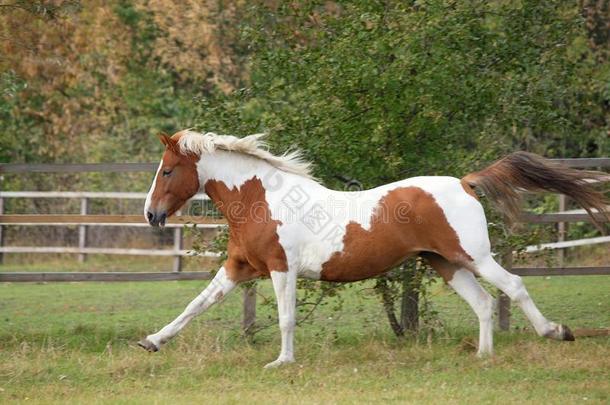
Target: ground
75,343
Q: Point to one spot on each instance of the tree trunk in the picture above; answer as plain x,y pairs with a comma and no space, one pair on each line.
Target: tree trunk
409,308
410,278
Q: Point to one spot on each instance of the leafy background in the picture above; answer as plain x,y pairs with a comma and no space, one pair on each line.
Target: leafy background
373,90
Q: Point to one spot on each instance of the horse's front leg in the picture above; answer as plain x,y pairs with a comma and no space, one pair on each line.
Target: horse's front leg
213,293
285,286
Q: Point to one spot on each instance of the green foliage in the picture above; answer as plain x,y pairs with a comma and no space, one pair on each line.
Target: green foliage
218,244
385,90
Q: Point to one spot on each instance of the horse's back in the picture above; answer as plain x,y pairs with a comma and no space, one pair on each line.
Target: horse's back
411,216
347,236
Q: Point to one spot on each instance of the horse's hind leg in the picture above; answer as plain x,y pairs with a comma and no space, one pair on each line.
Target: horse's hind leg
465,284
512,285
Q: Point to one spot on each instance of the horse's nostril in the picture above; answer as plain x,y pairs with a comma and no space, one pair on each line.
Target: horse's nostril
149,215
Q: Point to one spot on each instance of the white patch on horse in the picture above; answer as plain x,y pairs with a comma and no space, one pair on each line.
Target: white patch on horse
319,235
151,191
284,285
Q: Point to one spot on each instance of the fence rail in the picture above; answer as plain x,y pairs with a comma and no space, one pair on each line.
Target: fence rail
562,271
103,276
555,217
85,220
77,167
65,219
568,244
104,251
85,194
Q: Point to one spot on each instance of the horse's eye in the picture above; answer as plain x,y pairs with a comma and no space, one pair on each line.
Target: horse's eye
166,173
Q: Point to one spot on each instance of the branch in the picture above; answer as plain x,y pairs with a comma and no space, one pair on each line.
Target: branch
315,305
388,306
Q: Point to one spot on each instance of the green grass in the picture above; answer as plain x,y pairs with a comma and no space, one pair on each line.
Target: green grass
75,343
99,263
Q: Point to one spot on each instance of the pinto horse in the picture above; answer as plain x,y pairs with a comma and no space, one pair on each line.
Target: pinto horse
284,224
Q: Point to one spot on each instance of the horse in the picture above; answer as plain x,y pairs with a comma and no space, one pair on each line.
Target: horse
284,224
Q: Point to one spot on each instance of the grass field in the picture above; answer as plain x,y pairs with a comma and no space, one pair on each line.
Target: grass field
75,343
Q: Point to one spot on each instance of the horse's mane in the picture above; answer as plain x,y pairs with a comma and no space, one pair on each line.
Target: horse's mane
252,145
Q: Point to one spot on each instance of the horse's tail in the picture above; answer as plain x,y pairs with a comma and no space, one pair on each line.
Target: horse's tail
502,181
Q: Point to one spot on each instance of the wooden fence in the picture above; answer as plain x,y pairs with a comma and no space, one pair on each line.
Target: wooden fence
83,220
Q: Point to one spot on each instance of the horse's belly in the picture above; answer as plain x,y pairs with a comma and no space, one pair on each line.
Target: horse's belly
367,254
345,268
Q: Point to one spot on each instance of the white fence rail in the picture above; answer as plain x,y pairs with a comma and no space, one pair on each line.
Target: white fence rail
85,194
567,244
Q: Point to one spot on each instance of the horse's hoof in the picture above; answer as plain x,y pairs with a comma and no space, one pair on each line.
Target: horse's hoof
278,363
567,334
148,345
485,354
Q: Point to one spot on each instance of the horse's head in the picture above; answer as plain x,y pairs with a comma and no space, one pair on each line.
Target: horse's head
175,182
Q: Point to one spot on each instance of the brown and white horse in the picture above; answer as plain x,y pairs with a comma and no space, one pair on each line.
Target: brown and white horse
284,224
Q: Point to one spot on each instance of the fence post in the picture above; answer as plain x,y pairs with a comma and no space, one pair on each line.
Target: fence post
177,266
249,309
561,230
82,229
503,299
1,212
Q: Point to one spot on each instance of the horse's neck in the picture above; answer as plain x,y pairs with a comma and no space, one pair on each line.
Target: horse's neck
231,168
233,181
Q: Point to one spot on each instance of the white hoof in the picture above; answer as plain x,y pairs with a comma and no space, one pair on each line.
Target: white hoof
560,332
278,363
484,354
148,345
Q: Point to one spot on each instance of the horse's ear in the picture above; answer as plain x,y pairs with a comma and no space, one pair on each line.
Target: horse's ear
168,142
164,138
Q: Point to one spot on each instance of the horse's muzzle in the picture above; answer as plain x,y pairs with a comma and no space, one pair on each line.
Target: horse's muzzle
156,219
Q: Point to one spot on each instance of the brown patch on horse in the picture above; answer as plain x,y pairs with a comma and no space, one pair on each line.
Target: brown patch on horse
177,179
408,221
254,247
442,266
237,267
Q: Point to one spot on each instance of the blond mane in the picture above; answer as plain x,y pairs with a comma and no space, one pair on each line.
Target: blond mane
251,145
